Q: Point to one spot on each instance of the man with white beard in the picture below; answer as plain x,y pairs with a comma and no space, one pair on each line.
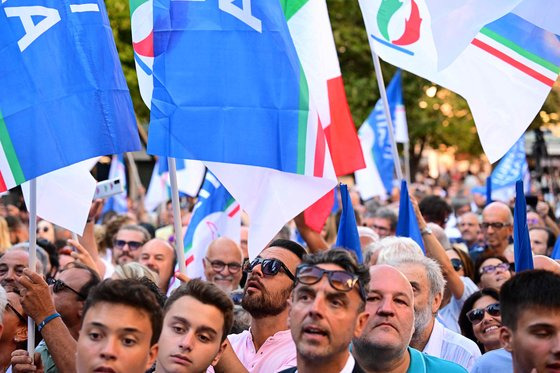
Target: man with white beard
222,264
430,336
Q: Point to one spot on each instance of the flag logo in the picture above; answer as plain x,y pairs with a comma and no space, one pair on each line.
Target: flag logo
389,11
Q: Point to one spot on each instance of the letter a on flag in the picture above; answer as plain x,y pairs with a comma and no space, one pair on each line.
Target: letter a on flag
229,89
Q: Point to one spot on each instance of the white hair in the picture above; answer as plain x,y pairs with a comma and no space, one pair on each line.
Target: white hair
431,267
395,248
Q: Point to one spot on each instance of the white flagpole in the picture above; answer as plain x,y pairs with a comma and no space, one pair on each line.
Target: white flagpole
381,85
179,249
32,257
407,161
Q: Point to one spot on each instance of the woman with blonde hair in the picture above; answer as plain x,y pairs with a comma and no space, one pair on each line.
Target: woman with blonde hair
4,236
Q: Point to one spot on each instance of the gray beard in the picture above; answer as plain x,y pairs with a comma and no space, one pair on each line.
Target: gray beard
421,320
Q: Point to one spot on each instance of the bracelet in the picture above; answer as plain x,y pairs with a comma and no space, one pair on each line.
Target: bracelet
47,320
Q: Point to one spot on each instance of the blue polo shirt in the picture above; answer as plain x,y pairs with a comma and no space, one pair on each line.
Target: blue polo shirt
422,363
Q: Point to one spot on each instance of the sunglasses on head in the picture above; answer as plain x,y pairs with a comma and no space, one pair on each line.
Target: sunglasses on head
132,245
59,286
19,315
269,267
339,280
457,264
476,315
492,268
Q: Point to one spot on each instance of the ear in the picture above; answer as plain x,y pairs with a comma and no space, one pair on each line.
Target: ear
361,323
152,355
81,308
437,302
21,334
506,338
220,352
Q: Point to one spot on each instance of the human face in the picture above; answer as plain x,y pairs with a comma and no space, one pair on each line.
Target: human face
424,305
125,254
268,295
469,227
539,240
496,278
534,220
487,331
324,320
158,256
381,226
497,238
66,302
223,251
451,254
535,342
190,339
45,230
12,264
115,338
390,305
15,329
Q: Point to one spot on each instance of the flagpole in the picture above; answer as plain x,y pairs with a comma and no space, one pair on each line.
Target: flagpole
381,85
133,171
32,257
407,161
179,249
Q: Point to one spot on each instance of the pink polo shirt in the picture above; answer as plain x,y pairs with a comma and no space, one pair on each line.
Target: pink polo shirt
277,353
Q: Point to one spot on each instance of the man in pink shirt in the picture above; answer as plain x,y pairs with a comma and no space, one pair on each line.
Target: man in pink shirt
267,346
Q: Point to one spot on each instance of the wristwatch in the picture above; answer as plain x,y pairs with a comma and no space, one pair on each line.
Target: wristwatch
426,230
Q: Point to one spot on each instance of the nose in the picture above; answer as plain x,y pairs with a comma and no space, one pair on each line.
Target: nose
187,342
109,350
386,307
317,307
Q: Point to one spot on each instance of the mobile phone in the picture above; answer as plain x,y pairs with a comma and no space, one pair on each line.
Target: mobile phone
108,188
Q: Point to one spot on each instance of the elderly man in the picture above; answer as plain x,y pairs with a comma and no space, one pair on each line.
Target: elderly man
222,264
327,311
383,344
267,346
159,256
497,226
57,311
430,336
12,264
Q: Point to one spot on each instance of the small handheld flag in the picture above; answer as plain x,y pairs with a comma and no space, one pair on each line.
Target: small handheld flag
348,237
521,241
407,225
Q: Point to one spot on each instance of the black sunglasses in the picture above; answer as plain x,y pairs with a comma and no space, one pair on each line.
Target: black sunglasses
269,267
457,264
339,280
132,245
476,315
59,286
19,315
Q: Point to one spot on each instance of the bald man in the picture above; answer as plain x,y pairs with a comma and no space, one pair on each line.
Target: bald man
497,226
222,264
159,256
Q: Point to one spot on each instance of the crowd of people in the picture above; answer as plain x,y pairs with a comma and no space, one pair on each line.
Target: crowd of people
112,301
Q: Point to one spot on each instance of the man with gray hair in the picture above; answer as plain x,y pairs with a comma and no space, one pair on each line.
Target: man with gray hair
430,336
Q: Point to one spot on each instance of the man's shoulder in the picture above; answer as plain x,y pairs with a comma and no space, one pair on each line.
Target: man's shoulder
498,360
420,362
459,341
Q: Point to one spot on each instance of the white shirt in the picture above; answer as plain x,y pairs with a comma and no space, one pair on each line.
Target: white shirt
449,315
448,345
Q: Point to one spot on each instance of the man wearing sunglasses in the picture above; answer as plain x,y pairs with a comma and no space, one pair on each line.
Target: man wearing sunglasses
222,264
497,226
267,346
127,243
327,310
56,309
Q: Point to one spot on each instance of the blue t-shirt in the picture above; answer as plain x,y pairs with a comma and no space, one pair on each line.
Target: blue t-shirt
494,361
422,363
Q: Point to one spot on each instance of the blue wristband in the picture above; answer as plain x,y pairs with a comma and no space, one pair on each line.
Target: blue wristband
47,320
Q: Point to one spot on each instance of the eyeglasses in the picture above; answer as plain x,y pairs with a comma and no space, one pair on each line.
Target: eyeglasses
132,245
339,280
219,266
476,315
269,267
457,264
492,268
19,315
496,225
59,286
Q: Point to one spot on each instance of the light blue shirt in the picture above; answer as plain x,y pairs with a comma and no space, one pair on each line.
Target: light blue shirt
422,363
494,361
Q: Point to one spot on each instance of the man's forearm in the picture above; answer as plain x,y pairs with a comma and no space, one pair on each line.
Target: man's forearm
61,345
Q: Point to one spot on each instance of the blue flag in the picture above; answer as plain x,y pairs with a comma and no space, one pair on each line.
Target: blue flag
488,190
521,241
407,225
556,251
348,236
63,97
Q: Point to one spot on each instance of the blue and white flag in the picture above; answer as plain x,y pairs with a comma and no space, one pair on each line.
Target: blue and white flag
190,175
512,167
118,202
377,178
348,236
63,96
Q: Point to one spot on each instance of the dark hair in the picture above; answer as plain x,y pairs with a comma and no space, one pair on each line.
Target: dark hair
128,292
150,228
152,286
464,323
526,290
388,214
435,210
347,261
481,259
466,260
550,241
93,281
289,245
207,293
